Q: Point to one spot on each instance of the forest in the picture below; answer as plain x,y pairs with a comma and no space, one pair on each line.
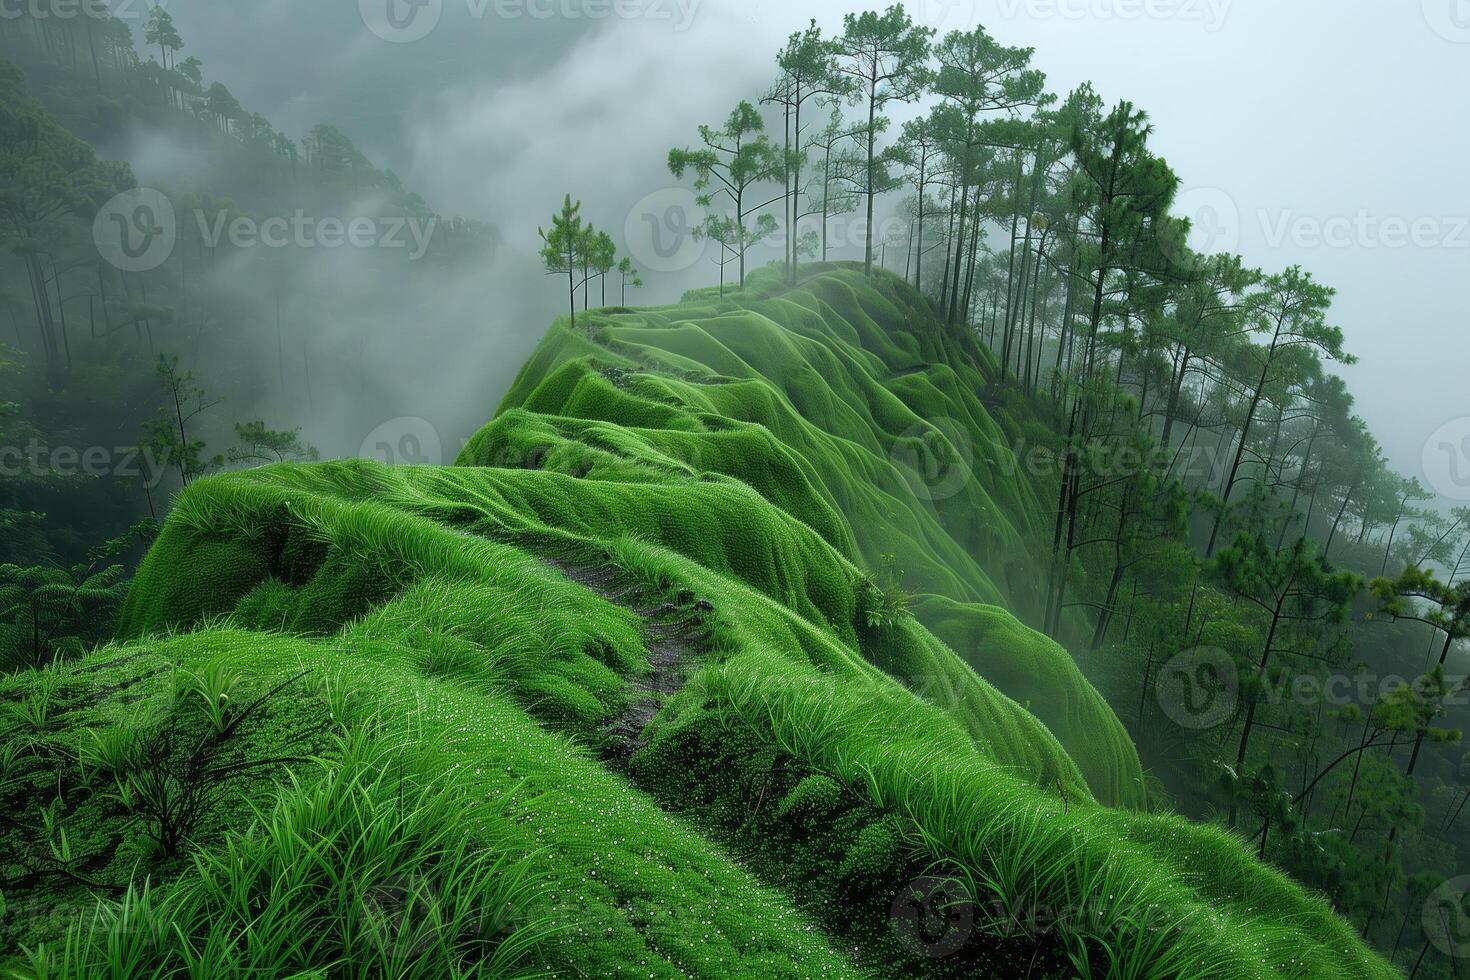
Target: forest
1006,560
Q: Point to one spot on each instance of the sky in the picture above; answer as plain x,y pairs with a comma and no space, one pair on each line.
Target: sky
1333,135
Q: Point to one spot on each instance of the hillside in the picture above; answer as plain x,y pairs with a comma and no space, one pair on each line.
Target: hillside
698,662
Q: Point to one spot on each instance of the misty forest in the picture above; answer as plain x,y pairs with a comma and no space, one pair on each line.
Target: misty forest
903,543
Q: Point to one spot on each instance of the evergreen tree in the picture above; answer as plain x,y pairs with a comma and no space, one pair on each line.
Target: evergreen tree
562,249
883,57
730,163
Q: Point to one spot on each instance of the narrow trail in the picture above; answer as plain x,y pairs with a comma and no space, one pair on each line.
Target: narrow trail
676,634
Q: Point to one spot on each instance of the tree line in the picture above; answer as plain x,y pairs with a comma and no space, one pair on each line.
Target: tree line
142,364
1215,500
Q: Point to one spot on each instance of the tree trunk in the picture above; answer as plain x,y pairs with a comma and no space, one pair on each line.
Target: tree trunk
1245,432
1336,521
1105,614
1444,654
572,295
919,259
959,252
1012,288
1250,712
871,192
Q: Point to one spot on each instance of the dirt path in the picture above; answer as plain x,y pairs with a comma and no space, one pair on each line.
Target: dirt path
676,635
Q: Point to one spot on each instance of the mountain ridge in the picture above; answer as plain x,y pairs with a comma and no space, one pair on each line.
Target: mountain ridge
824,776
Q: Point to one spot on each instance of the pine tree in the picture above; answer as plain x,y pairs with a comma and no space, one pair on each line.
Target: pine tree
561,249
883,56
730,164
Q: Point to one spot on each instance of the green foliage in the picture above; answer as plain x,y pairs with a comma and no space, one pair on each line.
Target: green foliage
48,614
581,253
433,795
215,686
884,601
261,445
350,865
840,762
730,163
742,458
168,434
629,278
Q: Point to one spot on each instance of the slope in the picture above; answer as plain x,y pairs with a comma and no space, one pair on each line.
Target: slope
651,640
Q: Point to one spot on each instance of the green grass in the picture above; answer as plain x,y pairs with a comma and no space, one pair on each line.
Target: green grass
1141,895
359,869
611,883
356,719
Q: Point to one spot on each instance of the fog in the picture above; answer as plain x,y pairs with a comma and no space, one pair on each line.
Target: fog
1313,133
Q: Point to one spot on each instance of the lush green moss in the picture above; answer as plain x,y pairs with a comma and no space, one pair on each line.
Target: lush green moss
795,508
448,544
1165,897
1026,665
629,889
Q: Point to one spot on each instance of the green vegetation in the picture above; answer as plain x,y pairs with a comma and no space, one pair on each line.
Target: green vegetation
1044,610
822,763
121,384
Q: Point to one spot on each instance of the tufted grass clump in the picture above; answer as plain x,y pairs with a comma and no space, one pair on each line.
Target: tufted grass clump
845,771
349,870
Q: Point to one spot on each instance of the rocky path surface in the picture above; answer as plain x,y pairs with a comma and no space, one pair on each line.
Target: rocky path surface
676,634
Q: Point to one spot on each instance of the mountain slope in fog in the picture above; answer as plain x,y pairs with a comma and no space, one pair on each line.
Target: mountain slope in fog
642,686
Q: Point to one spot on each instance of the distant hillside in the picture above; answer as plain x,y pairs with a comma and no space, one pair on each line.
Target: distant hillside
258,316
697,663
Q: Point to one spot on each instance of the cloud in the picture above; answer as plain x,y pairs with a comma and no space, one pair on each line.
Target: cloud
596,122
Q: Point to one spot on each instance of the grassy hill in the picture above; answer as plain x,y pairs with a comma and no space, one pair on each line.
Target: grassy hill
698,662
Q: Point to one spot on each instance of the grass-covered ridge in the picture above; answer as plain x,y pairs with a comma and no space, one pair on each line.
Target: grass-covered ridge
703,676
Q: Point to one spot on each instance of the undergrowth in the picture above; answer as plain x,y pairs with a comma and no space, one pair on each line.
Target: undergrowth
354,720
